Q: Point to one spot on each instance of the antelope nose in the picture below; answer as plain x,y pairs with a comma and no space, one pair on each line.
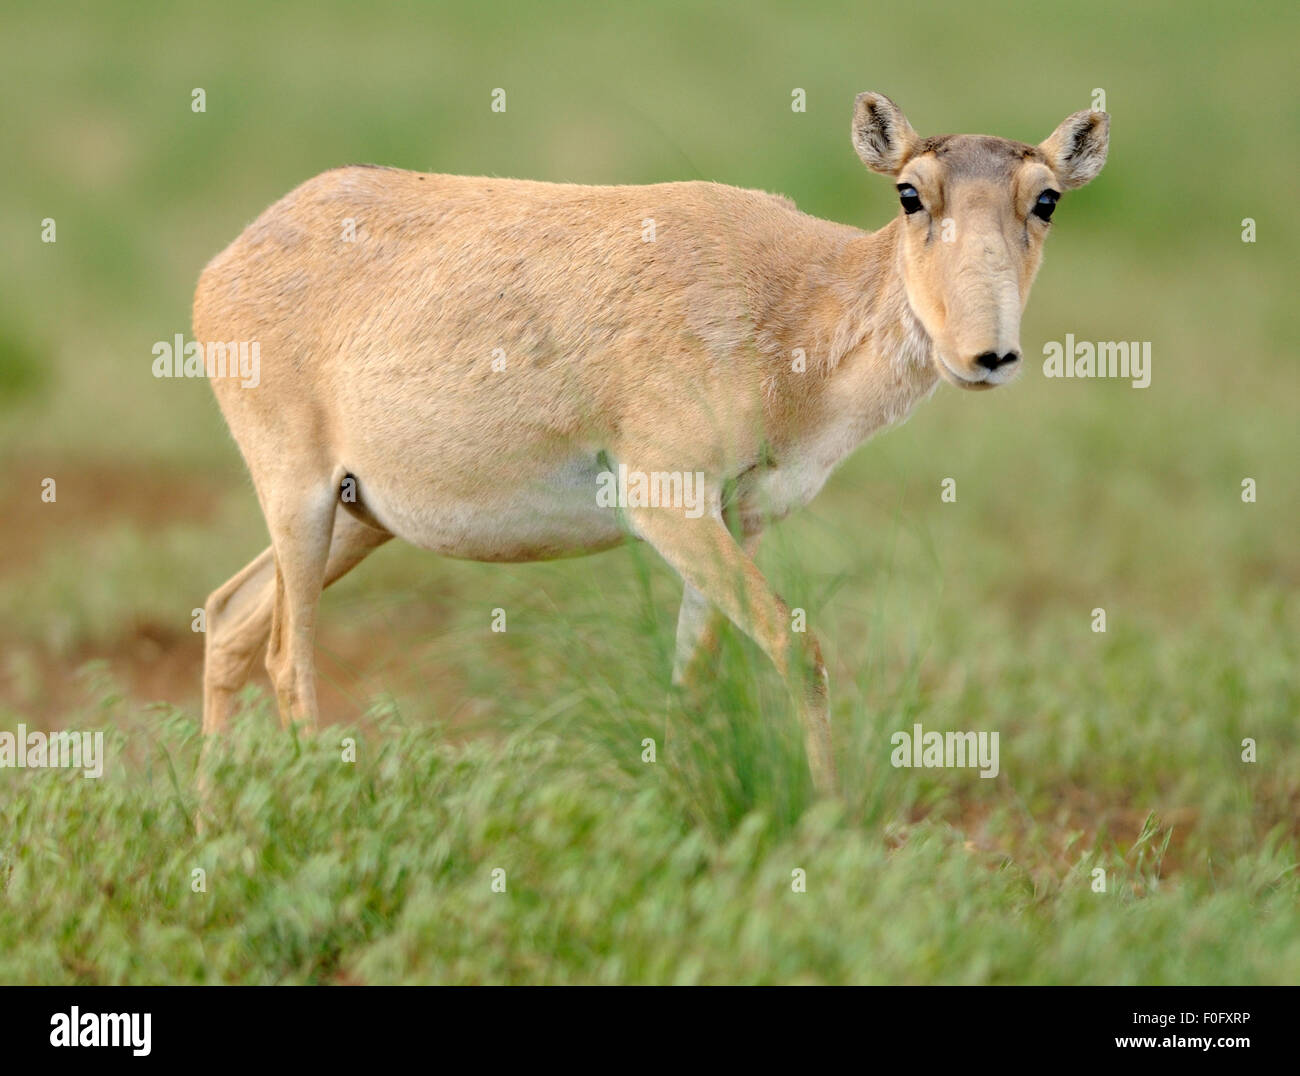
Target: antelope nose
990,360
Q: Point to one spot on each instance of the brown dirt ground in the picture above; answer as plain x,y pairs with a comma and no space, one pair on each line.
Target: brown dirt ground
153,662
158,662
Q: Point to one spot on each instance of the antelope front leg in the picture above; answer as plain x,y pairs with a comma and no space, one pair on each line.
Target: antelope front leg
719,573
698,623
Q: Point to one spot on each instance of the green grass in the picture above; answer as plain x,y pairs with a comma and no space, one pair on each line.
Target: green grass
522,750
1123,756
319,870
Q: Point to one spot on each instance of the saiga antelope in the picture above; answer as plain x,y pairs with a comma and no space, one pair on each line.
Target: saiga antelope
478,351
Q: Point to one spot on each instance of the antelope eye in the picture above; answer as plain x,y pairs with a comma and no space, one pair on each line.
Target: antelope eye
1046,204
911,201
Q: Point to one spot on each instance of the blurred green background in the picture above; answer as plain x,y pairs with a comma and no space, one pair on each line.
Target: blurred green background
1071,494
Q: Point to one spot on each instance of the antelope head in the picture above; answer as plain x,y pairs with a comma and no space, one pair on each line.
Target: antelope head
974,211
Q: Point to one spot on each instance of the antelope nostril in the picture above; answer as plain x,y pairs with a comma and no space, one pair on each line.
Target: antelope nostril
991,361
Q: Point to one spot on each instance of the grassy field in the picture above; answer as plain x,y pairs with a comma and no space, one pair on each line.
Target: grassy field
521,752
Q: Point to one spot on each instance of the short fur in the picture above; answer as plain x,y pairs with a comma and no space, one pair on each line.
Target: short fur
672,352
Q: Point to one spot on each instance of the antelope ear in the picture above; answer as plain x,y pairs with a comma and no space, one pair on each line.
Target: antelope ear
1076,150
881,134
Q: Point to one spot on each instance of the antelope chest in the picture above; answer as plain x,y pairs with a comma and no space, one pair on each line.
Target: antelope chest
799,471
